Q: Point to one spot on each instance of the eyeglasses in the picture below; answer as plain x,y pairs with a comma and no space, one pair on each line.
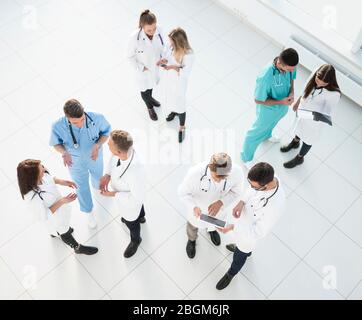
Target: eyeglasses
261,188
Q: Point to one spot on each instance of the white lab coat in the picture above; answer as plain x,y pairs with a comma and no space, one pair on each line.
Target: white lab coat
322,101
176,82
143,52
191,194
131,188
59,221
256,221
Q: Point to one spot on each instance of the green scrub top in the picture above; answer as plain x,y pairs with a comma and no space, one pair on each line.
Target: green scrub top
273,84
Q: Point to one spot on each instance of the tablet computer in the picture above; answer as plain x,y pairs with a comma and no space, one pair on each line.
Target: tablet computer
216,222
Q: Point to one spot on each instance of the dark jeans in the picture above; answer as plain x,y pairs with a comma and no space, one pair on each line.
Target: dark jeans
305,147
135,227
147,98
239,260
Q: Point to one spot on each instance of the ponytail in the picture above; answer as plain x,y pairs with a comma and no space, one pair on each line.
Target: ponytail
146,18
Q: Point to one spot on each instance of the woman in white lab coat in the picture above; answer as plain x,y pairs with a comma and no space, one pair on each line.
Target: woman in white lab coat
258,211
39,188
314,111
144,52
177,61
209,188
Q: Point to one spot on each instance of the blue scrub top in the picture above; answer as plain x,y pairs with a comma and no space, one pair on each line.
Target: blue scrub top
273,84
86,138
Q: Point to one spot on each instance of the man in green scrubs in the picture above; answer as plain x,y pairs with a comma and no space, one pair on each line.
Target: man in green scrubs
274,92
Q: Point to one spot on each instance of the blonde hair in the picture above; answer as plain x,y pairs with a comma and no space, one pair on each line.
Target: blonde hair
180,41
221,164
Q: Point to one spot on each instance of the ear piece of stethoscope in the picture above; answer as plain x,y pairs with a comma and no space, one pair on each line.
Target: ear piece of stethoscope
209,181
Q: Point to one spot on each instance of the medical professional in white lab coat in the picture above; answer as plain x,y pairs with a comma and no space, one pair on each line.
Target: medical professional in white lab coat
126,177
260,208
144,52
40,190
178,61
314,111
208,188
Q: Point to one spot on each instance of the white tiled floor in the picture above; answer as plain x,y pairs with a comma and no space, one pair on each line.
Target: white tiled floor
77,50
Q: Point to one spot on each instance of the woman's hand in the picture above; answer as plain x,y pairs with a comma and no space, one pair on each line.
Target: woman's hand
67,183
69,198
162,61
172,67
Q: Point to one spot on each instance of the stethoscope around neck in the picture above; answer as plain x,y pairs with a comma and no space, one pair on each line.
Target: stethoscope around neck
159,36
93,138
208,181
275,69
266,199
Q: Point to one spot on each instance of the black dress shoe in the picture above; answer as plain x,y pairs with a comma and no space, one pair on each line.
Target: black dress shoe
142,220
224,281
155,103
191,249
231,247
181,135
215,238
171,116
131,249
296,161
70,230
85,250
292,145
153,114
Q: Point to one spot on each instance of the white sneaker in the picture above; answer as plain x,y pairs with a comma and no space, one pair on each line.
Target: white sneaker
92,223
274,139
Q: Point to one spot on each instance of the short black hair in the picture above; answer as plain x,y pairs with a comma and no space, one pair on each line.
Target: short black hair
262,173
73,109
289,57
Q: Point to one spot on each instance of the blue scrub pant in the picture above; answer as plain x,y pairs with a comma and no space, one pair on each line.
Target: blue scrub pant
267,117
80,172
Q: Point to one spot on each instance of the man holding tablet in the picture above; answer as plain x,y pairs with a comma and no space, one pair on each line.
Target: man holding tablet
206,190
260,208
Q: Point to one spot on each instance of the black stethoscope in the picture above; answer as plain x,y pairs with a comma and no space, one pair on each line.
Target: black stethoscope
38,191
266,199
209,181
138,38
93,138
125,170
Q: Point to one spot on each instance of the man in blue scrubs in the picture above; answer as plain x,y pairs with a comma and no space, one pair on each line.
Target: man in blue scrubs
274,92
79,137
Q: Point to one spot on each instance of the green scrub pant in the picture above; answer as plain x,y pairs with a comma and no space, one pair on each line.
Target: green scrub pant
267,117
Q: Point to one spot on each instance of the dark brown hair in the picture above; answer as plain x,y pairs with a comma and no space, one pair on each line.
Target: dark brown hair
289,57
146,18
122,140
262,173
73,109
327,74
28,175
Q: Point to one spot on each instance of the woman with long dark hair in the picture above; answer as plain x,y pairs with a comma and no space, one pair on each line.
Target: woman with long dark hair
39,188
314,111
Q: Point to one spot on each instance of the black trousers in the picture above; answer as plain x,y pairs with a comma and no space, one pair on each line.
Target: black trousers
305,147
135,226
239,260
147,98
181,117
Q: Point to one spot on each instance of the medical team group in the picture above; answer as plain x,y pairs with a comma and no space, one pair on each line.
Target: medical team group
213,188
